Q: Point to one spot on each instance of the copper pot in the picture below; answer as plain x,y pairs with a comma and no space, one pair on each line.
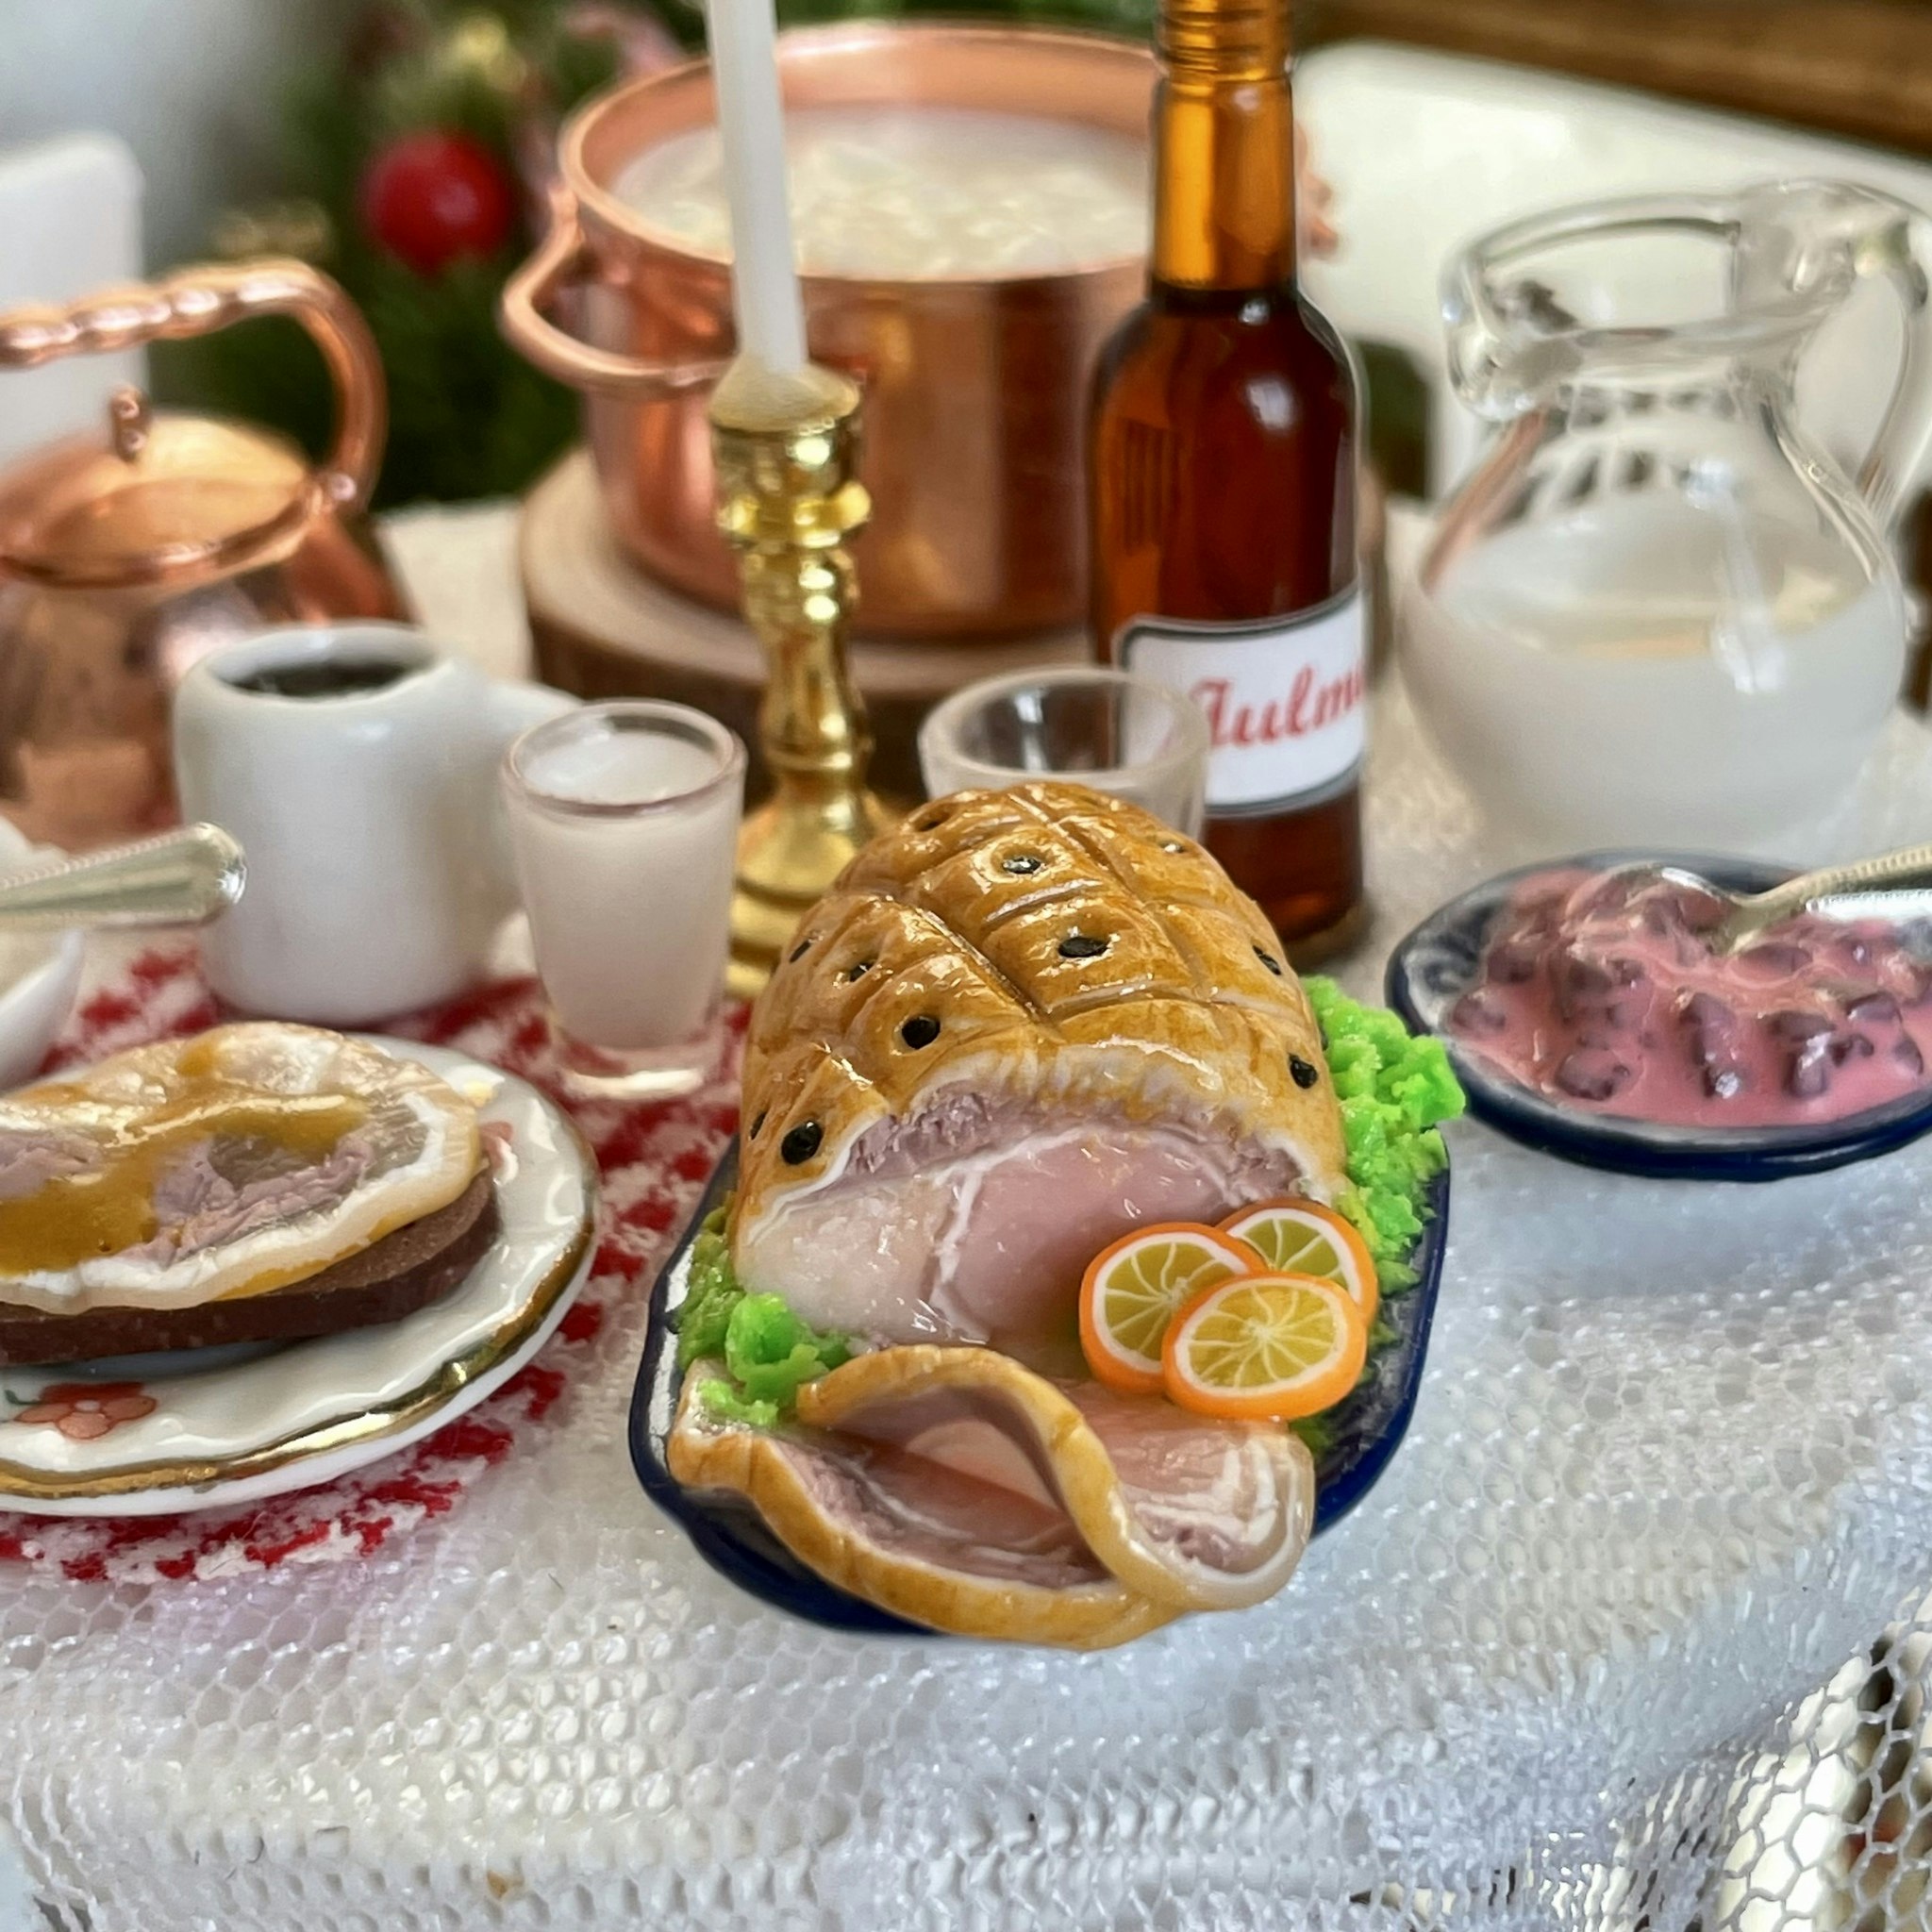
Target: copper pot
128,555
975,390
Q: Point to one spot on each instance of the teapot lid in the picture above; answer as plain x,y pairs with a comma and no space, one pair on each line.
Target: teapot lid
156,496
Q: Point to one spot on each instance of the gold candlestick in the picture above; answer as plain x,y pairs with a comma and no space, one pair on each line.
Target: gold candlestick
785,448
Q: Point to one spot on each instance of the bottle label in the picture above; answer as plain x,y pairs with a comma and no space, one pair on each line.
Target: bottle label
1286,697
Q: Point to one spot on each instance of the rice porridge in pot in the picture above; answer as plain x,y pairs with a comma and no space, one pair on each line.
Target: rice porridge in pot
918,193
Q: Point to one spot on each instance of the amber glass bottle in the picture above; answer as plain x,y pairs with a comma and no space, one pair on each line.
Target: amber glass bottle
1222,479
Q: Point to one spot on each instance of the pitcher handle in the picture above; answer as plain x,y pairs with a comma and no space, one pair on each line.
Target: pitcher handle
1901,250
197,302
562,259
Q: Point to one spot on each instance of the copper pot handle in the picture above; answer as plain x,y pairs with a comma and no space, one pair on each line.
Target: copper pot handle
564,256
197,302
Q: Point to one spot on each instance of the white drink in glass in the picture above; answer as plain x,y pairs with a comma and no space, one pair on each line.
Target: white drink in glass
623,820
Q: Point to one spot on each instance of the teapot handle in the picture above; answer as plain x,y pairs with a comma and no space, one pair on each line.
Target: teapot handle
197,302
1897,244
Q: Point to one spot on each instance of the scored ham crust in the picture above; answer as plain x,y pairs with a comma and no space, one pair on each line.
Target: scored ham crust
1020,1024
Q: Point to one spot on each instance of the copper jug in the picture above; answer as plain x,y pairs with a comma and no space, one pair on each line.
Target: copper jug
127,555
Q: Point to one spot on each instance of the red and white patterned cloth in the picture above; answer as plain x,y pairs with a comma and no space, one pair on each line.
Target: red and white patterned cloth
650,1158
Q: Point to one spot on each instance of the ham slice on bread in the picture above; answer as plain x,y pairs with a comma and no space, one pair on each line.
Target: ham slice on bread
258,1182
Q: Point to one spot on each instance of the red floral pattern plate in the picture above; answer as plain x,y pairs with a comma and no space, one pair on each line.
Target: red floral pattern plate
150,1436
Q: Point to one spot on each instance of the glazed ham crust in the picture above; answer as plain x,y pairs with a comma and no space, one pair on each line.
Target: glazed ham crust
1020,1024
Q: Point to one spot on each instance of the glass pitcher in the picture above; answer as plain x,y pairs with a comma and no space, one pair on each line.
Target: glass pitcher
1657,613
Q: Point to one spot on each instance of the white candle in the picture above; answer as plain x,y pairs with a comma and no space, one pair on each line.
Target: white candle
764,276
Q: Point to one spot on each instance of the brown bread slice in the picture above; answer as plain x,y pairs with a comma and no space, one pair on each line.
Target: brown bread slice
393,1277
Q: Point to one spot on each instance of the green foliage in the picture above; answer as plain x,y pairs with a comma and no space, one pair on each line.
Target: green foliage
468,417
767,1351
770,1353
725,1404
704,1320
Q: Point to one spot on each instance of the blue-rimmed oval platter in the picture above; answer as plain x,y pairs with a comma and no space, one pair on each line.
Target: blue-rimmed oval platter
1363,1433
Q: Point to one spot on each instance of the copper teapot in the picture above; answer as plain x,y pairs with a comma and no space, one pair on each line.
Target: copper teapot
127,555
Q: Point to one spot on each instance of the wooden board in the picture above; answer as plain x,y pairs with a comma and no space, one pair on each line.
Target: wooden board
1856,67
602,628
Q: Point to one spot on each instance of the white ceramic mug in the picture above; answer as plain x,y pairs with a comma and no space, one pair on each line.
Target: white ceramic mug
378,866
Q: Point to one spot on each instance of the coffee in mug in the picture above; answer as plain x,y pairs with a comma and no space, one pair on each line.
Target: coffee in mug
357,764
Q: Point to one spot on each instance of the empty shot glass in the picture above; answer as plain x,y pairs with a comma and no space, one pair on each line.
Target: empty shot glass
1118,733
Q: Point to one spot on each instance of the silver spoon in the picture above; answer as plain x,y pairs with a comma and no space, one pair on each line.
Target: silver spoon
178,878
1894,885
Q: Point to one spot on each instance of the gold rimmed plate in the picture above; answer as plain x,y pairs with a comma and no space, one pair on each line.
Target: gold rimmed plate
194,1429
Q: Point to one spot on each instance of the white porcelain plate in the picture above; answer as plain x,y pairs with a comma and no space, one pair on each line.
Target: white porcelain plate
151,1434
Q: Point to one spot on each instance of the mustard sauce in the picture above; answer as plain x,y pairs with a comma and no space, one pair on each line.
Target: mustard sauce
82,1217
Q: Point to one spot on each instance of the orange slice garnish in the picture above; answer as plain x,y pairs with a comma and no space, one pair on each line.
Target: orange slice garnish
1297,1237
1278,1346
1134,1289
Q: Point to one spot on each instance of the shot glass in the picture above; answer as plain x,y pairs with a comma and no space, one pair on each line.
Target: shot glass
1118,733
624,822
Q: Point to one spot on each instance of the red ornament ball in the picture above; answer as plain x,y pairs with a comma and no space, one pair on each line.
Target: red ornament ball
430,198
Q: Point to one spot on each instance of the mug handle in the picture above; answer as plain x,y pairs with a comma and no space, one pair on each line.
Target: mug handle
511,706
197,302
562,260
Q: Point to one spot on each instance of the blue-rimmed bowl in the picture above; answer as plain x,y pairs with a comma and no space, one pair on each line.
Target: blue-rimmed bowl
730,1535
1439,962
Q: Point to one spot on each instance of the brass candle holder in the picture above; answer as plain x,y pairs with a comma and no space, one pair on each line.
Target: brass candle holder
786,449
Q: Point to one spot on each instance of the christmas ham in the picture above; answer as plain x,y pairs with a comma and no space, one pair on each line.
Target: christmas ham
1021,1023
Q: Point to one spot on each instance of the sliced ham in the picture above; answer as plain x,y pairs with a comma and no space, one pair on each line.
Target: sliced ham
235,1163
1021,1023
957,1487
212,1195
1193,1511
973,1221
912,1535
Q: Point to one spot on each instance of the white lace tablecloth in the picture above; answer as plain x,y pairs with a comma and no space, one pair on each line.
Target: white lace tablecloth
1670,1473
